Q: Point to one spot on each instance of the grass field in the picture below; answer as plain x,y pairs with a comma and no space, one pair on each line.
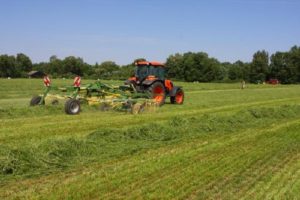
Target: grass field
223,143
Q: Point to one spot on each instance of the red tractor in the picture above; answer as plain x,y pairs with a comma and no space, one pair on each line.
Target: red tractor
150,78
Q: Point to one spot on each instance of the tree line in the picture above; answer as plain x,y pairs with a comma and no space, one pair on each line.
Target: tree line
284,66
190,66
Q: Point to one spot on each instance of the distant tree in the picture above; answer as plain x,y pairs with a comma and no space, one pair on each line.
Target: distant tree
222,73
285,66
239,71
294,61
245,68
107,70
23,64
73,65
202,68
40,66
213,71
55,67
87,70
280,68
53,58
259,66
234,72
191,69
8,66
195,67
13,66
126,71
68,67
96,65
174,66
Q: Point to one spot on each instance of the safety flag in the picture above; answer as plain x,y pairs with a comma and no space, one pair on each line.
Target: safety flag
77,81
47,81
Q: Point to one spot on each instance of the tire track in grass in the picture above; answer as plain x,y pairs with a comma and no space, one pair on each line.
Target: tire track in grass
152,179
189,177
294,183
275,128
287,176
284,158
212,188
204,175
189,186
113,195
259,173
212,164
289,179
257,170
151,182
260,170
170,171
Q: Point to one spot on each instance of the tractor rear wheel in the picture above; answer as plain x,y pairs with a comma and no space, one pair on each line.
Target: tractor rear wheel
178,98
72,106
35,100
158,93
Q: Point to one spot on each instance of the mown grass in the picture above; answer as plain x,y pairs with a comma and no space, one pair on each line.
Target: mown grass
223,143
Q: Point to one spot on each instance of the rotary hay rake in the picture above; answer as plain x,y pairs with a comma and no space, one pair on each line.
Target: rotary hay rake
98,94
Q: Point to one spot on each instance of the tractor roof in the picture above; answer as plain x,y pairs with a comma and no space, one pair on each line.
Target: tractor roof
153,63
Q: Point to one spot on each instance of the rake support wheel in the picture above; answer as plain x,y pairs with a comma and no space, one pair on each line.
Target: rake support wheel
35,100
72,107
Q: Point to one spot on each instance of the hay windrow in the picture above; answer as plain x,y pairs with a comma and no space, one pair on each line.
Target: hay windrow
108,144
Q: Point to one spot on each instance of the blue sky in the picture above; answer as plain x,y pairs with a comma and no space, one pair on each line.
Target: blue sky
122,30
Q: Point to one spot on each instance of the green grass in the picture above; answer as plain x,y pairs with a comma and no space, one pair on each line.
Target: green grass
223,143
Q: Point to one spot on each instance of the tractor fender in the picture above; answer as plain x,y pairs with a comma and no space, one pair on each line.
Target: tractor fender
174,90
129,82
149,82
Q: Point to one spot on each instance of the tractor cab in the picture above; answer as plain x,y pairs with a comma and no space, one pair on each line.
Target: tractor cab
149,70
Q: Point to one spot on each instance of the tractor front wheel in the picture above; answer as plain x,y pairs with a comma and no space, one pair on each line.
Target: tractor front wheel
178,98
35,100
72,107
158,93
